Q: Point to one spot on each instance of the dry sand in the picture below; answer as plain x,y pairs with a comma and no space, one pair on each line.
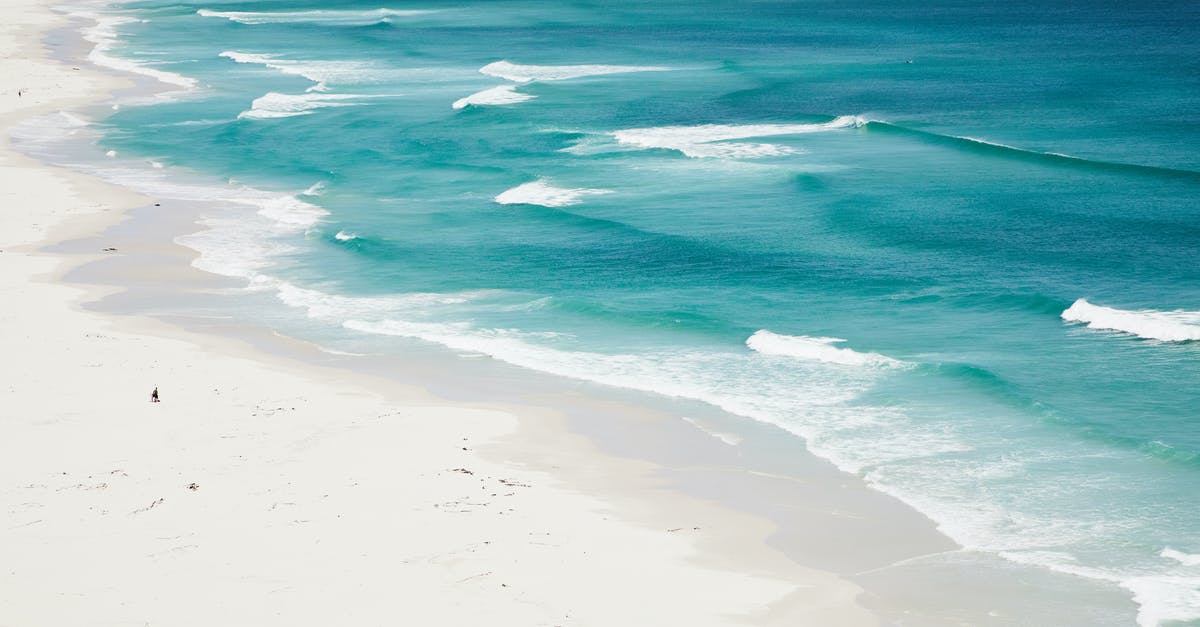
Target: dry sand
269,491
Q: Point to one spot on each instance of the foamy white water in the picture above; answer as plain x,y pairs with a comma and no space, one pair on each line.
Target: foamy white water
277,105
321,73
528,73
1188,559
331,17
542,193
105,38
501,95
1168,326
713,140
814,348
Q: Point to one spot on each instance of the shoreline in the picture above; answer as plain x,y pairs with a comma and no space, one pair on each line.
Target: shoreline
100,415
652,491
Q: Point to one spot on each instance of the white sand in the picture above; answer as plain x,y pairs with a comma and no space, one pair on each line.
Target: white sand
317,501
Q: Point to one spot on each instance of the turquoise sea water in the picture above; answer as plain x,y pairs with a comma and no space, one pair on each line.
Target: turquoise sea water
954,245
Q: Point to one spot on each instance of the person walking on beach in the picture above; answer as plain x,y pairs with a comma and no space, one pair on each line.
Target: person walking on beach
154,395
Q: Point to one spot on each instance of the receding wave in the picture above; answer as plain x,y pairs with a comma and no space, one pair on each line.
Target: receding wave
542,193
713,140
104,37
814,349
529,73
1168,326
277,105
997,149
332,18
502,95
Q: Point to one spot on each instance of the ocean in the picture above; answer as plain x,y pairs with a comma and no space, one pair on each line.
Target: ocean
954,246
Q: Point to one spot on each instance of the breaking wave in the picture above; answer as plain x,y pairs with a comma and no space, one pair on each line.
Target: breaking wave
814,349
521,74
542,193
277,105
713,140
1168,326
529,73
321,73
502,95
332,18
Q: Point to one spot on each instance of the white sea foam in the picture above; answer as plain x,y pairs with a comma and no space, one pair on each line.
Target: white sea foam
277,105
111,153
333,18
1164,600
713,140
1187,559
540,192
316,189
1168,326
508,94
502,95
814,348
322,73
528,73
344,236
104,37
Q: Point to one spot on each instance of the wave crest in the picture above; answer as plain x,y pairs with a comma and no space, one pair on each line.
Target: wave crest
540,192
814,349
502,95
1168,326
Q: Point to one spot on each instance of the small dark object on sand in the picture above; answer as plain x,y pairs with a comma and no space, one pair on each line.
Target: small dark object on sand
193,486
154,395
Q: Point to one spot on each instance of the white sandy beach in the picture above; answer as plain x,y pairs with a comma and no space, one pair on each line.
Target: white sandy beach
268,491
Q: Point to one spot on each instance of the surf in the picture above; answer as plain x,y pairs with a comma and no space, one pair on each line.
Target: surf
1166,326
708,141
540,192
324,17
815,348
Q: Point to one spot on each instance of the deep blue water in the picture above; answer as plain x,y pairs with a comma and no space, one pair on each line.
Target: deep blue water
693,198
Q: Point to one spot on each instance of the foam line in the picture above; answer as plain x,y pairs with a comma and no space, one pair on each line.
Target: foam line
104,38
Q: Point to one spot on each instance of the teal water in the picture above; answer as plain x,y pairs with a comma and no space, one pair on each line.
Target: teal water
993,209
